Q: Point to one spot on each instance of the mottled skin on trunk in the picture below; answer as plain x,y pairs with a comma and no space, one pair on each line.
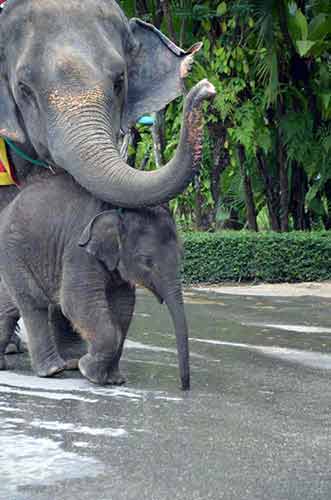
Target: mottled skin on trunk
87,136
83,262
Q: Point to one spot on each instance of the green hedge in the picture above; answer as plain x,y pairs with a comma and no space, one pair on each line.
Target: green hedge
247,256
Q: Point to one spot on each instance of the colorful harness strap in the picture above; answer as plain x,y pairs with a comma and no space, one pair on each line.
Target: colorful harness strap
7,177
6,174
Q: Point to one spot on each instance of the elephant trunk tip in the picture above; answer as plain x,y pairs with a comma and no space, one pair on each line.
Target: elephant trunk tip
186,385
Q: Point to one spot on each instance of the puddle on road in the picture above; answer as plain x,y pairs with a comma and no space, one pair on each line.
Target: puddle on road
9,409
45,394
82,444
29,461
58,389
80,429
64,426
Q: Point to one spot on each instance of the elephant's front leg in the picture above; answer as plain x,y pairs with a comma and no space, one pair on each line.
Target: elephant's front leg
90,315
83,301
103,337
45,358
121,302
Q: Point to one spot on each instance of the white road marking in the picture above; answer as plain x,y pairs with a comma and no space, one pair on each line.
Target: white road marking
311,359
291,328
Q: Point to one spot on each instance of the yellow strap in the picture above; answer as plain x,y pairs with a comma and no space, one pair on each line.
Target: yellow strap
6,178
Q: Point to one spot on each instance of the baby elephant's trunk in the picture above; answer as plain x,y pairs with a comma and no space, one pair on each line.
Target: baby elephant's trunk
176,308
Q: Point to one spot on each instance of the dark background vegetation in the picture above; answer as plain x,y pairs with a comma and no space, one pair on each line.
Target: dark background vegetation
266,160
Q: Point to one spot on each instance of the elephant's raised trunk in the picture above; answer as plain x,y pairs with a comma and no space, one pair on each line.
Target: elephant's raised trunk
90,155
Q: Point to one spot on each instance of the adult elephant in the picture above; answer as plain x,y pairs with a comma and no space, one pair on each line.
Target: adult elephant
74,75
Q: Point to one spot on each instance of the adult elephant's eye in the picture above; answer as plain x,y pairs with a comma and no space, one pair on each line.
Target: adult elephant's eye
118,84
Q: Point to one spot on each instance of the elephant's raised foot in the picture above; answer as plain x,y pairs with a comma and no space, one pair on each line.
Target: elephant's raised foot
94,369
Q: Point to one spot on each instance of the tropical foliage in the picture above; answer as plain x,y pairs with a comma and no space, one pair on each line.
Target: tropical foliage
266,161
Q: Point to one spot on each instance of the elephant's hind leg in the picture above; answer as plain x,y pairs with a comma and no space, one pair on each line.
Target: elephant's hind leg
9,315
45,358
16,345
69,344
7,327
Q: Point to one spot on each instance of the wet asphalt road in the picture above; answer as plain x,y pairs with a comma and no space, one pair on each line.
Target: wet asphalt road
256,424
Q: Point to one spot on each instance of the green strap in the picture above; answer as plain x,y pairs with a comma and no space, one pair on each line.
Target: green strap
23,155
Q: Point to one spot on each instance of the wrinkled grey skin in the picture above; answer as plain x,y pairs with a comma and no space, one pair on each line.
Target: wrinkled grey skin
84,261
74,75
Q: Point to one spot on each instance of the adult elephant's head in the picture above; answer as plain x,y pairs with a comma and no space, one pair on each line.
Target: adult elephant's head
74,74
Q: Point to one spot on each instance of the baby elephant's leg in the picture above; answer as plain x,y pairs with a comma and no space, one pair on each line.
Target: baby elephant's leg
103,337
9,316
45,358
121,302
84,303
69,343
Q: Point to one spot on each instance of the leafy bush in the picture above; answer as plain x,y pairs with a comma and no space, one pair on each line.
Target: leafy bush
248,256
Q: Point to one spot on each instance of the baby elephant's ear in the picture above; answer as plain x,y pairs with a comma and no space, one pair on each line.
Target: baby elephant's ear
100,238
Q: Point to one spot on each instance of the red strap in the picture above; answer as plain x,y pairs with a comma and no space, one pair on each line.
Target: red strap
2,1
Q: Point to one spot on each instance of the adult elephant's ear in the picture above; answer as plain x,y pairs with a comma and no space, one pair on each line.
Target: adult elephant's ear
9,120
156,69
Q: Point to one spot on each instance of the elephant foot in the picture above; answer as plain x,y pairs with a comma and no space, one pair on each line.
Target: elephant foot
3,362
116,378
72,364
50,367
16,345
94,369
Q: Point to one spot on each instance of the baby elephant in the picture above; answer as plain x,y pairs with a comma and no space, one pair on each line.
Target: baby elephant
61,248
